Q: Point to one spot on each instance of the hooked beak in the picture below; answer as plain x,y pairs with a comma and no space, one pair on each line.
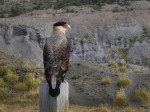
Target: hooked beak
69,26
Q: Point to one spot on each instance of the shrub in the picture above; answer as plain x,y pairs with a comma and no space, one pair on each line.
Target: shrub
3,94
106,80
11,78
121,69
27,65
31,81
121,98
124,82
20,87
2,83
136,70
112,63
29,77
142,96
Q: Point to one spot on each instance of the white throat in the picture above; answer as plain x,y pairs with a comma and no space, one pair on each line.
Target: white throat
60,28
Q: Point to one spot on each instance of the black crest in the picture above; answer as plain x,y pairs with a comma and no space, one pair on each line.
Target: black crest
61,23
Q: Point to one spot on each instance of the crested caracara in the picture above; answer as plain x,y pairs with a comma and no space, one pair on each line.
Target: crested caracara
56,57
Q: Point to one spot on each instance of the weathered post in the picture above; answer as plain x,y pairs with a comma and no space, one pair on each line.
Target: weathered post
54,104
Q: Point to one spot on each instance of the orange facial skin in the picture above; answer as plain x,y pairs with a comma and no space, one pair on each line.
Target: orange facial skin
65,25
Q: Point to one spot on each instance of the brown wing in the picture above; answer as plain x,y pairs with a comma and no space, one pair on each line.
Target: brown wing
56,59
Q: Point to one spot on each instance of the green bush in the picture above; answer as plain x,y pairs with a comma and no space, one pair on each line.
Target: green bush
20,87
106,80
121,98
142,96
11,78
122,82
3,94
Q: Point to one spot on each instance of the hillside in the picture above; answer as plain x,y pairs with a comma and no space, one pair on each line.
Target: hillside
109,55
113,33
91,84
11,8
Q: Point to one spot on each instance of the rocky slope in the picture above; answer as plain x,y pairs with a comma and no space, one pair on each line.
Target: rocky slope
118,32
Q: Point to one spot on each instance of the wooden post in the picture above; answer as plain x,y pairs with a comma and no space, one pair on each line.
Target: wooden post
54,104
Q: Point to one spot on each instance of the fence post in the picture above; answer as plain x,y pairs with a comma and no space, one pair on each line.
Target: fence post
54,104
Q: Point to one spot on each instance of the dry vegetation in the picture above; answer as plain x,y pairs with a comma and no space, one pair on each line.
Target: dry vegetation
121,98
106,81
112,63
142,95
18,84
20,89
123,82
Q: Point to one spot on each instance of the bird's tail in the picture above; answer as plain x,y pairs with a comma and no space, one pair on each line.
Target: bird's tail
53,91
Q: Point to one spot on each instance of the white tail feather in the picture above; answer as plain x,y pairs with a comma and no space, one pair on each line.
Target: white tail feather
53,81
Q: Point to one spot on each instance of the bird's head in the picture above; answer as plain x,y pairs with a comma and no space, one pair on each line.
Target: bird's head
61,26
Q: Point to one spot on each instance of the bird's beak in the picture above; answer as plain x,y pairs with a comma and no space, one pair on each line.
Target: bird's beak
69,26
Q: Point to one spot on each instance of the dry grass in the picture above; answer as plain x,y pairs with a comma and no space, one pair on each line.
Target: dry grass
123,82
37,66
11,78
2,83
19,107
137,70
1,108
21,86
121,69
33,107
130,109
105,108
3,93
31,81
34,94
106,81
121,98
142,96
112,63
81,86
27,65
76,108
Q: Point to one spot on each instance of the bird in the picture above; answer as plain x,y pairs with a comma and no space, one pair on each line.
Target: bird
56,57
